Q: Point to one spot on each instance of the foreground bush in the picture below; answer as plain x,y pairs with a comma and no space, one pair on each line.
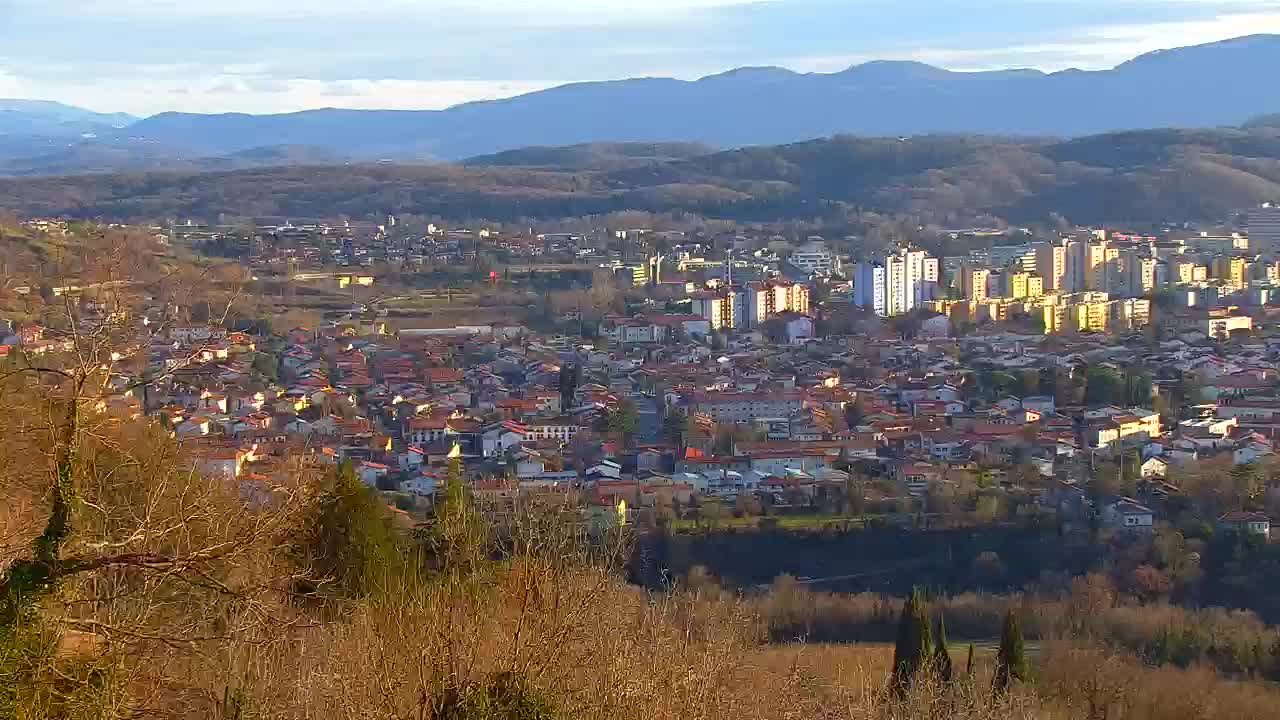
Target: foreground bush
182,597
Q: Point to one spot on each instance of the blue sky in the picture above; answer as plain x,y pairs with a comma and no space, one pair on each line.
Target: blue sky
148,56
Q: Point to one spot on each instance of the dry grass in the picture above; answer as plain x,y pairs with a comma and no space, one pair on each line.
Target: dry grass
594,647
1237,643
226,639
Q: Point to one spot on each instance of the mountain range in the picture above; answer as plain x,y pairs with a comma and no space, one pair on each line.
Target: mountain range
1219,84
41,118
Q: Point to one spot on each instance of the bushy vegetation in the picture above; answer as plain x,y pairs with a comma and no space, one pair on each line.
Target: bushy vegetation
164,593
1091,609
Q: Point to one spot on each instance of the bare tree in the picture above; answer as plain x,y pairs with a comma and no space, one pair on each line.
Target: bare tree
109,531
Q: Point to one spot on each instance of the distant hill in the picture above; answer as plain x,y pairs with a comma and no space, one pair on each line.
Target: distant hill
1219,84
592,156
72,157
1144,177
1271,121
39,118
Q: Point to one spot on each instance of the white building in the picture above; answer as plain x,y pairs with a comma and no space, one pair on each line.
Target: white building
815,259
1142,275
1051,265
896,283
723,310
745,407
561,429
869,289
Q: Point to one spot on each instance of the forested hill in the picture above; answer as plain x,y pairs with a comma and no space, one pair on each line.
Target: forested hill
592,156
1139,177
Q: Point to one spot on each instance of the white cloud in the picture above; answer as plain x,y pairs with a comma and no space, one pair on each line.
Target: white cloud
151,89
1091,48
522,11
284,55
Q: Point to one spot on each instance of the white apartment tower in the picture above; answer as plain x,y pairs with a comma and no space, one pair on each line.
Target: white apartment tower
1051,264
869,288
896,283
1096,266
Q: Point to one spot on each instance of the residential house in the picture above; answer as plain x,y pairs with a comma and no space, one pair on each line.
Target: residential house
1246,523
1129,515
371,472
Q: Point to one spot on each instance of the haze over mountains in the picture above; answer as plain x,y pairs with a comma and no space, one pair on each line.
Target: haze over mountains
1219,84
52,119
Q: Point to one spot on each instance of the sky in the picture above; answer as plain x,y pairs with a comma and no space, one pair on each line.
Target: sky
261,56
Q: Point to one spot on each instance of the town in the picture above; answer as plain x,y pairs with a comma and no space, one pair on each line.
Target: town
1094,380
710,360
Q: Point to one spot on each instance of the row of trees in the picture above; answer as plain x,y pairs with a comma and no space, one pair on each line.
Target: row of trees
1092,385
917,654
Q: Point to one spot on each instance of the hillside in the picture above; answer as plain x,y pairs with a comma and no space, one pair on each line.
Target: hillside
91,156
51,119
1135,177
1271,121
592,156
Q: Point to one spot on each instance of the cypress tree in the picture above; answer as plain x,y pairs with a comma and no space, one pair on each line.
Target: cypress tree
350,541
1011,662
914,647
458,534
941,657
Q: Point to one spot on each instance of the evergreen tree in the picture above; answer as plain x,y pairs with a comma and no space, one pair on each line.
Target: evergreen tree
1011,661
623,421
458,535
914,647
941,656
570,376
675,425
842,460
350,541
969,668
854,412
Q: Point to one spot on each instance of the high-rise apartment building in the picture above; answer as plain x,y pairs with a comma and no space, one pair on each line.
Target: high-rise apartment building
896,283
1023,285
973,282
720,308
1263,225
1182,271
869,288
1076,253
1051,265
1099,266
770,298
1230,270
1142,275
